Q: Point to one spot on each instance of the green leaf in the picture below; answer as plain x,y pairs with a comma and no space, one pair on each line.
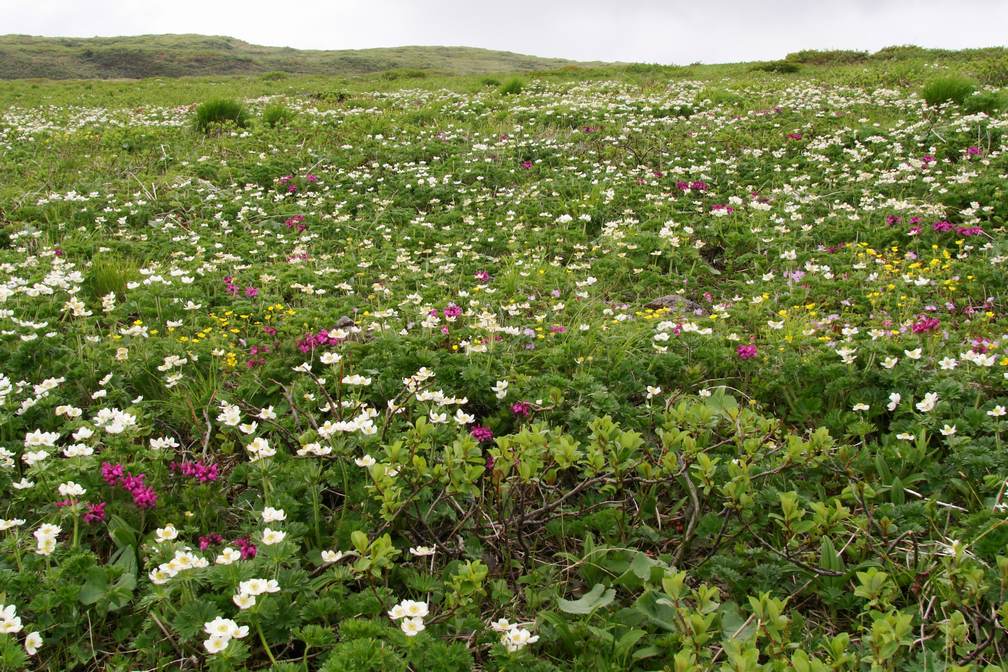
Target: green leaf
95,586
190,619
596,598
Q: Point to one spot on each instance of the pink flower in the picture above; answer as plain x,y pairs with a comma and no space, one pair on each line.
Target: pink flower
747,351
521,408
481,433
95,513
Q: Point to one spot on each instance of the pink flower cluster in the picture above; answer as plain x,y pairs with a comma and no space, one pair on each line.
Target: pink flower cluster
232,288
747,351
926,325
481,433
696,185
521,408
203,472
116,475
311,341
296,221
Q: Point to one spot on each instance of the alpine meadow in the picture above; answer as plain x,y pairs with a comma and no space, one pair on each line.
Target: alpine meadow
513,365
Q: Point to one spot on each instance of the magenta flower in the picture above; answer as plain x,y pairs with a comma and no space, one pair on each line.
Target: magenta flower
747,351
521,408
481,433
95,513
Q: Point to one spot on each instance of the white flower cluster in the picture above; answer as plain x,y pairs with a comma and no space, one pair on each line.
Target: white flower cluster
45,536
411,615
249,590
114,421
222,631
513,636
184,560
10,624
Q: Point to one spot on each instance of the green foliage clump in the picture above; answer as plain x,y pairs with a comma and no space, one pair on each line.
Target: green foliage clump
220,111
513,86
827,56
108,275
986,101
363,655
952,88
779,67
276,114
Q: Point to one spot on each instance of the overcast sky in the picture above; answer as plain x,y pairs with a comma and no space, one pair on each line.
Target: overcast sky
673,31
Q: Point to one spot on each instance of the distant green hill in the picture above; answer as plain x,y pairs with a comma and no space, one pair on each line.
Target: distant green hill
25,56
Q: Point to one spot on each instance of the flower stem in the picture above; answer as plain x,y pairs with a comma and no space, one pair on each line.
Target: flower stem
262,638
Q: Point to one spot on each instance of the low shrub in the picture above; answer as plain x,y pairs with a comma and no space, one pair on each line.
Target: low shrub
220,111
513,86
779,67
952,88
985,101
277,114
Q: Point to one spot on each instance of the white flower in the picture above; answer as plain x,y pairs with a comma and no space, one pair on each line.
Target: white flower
861,407
267,414
653,391
894,400
258,586
501,388
421,551
230,415
330,357
270,537
32,643
889,362
518,638
913,354
463,418
366,461
243,600
412,626
414,609
927,404
397,612
40,438
271,515
216,644
248,427
905,436
948,430
501,625
329,557
33,457
166,533
227,556
71,489
260,448
997,411
947,363
356,379
10,622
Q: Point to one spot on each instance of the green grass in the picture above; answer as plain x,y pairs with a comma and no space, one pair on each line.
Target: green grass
952,88
220,111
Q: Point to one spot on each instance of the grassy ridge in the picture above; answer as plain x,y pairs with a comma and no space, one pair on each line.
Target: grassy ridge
24,56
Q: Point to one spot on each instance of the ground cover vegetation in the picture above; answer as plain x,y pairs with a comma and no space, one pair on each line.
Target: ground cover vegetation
621,368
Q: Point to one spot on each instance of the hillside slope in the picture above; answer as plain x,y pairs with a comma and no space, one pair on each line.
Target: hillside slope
24,56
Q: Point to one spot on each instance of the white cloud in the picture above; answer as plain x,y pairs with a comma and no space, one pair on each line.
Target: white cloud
675,31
